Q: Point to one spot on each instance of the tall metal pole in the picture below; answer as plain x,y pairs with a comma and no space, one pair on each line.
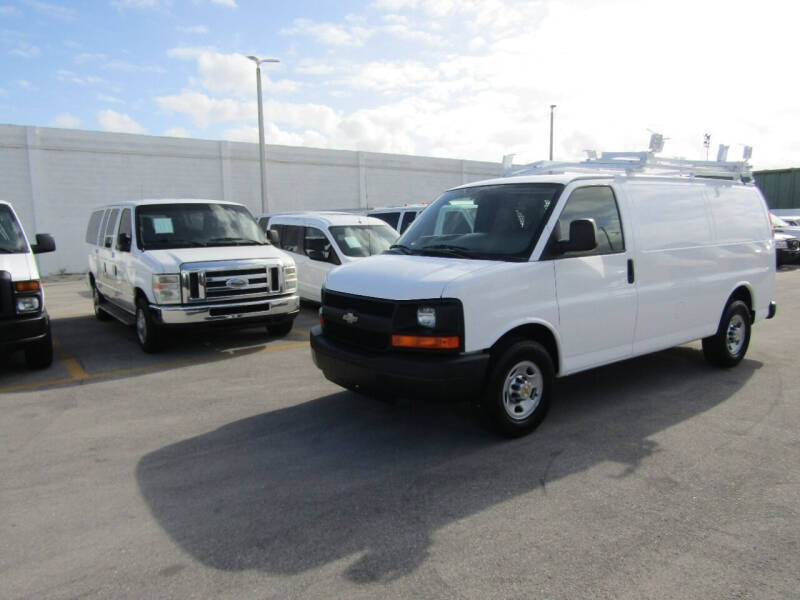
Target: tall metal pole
261,145
552,106
264,204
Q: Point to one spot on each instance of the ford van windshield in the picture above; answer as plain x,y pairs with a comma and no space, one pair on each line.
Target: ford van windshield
178,225
11,239
495,222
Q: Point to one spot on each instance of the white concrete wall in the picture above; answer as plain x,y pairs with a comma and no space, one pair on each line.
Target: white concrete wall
56,177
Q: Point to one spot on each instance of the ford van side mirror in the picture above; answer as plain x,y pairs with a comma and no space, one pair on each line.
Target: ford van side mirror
273,237
44,243
582,236
124,242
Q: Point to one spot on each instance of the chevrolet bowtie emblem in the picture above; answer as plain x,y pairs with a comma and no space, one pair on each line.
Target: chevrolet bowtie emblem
349,318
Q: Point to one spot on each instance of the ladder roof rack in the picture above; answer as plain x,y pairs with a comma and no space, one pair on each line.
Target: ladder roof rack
633,163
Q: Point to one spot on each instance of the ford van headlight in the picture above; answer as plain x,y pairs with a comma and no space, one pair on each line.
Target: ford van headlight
781,244
426,317
27,304
167,288
290,278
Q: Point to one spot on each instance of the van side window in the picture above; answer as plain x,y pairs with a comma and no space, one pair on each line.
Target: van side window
408,218
94,227
111,223
125,226
316,246
390,218
596,203
292,238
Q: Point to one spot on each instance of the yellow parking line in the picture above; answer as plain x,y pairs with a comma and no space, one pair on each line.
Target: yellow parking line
78,374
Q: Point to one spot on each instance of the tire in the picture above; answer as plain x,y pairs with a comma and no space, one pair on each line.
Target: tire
281,328
148,332
40,354
517,395
97,302
728,346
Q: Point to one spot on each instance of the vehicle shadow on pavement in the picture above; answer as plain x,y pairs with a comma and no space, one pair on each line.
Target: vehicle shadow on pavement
346,477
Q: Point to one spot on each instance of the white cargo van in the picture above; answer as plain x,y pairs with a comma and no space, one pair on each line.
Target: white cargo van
165,263
24,323
320,241
500,286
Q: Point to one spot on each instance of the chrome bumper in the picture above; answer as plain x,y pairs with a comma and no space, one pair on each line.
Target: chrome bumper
181,314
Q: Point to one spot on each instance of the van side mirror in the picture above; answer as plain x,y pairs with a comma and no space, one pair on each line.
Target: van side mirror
582,236
124,242
44,243
273,237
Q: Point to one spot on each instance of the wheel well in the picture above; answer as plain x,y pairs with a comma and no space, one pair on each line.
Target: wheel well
743,294
533,332
138,293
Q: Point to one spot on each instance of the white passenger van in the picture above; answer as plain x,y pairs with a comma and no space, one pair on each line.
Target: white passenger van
320,241
500,286
397,217
164,263
24,323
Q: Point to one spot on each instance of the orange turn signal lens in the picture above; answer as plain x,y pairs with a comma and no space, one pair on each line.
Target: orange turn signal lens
27,286
427,342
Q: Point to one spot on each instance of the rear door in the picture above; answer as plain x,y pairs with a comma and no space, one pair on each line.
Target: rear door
597,299
106,278
123,264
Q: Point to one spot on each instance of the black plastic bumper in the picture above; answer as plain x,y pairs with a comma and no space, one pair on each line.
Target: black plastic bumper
400,374
18,333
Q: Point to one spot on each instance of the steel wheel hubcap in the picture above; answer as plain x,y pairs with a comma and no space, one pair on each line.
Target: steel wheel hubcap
735,335
141,326
522,390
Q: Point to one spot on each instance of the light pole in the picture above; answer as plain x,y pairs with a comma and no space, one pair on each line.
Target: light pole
552,106
261,147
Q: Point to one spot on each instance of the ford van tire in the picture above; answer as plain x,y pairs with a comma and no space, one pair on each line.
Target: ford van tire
517,395
97,302
148,332
40,354
280,329
728,346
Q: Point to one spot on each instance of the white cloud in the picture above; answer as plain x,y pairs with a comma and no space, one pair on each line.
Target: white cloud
66,121
89,57
178,132
141,4
9,11
112,99
26,85
110,120
26,51
66,75
331,34
51,10
228,3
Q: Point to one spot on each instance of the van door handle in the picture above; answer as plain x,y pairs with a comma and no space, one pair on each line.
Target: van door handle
631,277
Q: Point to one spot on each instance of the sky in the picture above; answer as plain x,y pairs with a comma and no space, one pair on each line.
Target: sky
465,79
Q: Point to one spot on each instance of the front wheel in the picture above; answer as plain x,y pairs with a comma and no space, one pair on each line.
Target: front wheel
517,396
728,346
148,332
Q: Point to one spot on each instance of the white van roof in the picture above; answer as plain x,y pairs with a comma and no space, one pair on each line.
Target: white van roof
150,201
325,218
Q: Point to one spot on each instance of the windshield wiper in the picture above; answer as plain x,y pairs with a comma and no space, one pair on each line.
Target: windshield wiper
448,250
401,249
174,243
235,240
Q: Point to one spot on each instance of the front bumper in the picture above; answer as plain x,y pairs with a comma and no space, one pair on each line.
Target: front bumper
271,310
400,374
17,333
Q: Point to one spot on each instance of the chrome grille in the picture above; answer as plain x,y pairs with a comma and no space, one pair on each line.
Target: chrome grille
230,281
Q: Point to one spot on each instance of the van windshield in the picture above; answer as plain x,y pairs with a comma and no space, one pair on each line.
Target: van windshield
363,240
495,222
191,225
11,239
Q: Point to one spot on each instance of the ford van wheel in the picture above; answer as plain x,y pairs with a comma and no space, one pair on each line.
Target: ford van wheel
97,301
729,345
40,354
517,396
147,330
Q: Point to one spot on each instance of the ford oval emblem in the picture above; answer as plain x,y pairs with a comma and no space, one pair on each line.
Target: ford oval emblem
236,283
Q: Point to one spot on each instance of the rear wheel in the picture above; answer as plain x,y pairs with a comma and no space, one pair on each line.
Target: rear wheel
728,346
40,354
517,396
148,332
280,329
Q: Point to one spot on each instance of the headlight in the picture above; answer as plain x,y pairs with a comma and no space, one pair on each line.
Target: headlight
28,304
290,278
167,289
781,244
426,317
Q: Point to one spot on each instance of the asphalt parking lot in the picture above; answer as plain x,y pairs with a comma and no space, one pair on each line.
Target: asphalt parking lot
228,467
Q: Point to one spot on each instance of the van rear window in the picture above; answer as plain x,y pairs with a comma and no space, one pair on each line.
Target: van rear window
94,227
